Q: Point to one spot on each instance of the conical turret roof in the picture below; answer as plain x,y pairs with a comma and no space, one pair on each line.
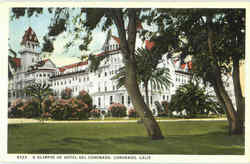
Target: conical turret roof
29,35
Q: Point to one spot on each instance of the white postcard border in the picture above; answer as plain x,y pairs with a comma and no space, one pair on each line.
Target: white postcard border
4,10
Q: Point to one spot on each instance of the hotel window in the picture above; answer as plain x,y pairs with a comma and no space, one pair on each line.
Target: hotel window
105,88
99,75
65,81
111,100
151,100
163,97
122,99
99,101
128,100
105,74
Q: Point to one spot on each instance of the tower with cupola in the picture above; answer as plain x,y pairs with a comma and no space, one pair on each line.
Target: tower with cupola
30,51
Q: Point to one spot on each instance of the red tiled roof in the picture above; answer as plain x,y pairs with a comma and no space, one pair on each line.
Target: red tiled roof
190,65
149,45
116,39
139,26
62,69
183,66
17,61
45,60
176,61
105,53
101,54
29,35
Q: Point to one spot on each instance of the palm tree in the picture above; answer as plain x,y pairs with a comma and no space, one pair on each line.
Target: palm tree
147,71
39,91
11,64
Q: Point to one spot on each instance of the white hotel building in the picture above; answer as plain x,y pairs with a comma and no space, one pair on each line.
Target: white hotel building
77,76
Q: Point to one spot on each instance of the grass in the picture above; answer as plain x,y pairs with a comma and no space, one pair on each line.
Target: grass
200,137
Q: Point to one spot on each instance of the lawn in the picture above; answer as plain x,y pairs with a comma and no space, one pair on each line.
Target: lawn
199,137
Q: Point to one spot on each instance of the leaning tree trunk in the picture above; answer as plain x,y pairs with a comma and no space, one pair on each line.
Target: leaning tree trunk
142,109
240,101
127,46
233,120
234,123
146,93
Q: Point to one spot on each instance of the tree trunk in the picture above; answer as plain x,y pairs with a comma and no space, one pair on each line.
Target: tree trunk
127,45
146,93
141,108
240,101
233,121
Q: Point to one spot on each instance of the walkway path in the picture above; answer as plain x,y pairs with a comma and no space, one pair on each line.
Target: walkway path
22,121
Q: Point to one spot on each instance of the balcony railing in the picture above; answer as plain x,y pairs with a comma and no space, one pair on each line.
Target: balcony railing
67,74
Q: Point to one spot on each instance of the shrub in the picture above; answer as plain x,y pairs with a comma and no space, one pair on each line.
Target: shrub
66,93
132,113
16,109
95,113
47,106
69,109
117,110
165,111
24,108
86,98
31,108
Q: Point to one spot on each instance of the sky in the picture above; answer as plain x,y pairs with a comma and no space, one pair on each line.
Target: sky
40,24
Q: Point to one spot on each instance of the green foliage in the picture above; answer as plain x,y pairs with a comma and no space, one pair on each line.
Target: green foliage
47,45
69,109
11,63
117,110
39,90
66,93
16,109
47,105
31,108
193,100
132,113
86,98
95,113
165,111
95,61
21,108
